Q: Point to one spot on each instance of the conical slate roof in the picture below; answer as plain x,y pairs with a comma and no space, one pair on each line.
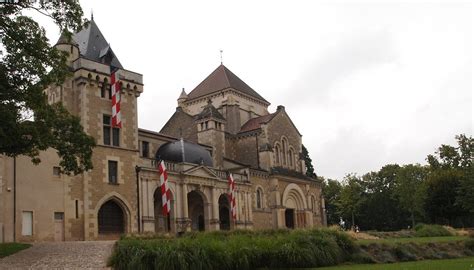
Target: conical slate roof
94,46
222,78
63,39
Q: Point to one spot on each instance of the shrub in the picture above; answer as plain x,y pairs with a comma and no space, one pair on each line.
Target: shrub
240,249
424,230
469,244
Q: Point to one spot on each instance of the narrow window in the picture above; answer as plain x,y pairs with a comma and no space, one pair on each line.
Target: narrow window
27,223
259,199
207,124
106,127
109,91
284,151
145,148
103,89
290,158
58,216
116,137
113,172
77,209
277,154
56,171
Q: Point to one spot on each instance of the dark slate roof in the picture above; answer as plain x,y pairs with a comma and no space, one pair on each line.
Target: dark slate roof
184,151
209,111
64,39
256,122
220,79
93,46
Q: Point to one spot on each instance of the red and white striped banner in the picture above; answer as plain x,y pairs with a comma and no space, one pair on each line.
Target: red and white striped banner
115,85
233,209
165,190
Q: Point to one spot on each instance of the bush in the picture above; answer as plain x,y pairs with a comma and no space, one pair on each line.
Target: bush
425,230
239,249
469,244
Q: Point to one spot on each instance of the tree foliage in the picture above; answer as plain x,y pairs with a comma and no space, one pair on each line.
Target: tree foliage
28,64
399,196
308,163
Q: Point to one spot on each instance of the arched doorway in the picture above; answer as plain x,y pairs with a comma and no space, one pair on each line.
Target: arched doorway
196,211
293,201
224,213
111,218
290,218
162,222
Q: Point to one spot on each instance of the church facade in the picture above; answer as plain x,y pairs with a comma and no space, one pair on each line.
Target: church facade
221,126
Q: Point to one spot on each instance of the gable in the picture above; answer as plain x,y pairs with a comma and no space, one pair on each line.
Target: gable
180,125
281,126
201,171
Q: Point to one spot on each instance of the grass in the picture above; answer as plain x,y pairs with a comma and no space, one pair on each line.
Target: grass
451,264
11,248
419,240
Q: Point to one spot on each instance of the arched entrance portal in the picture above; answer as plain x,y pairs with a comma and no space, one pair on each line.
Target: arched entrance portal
162,221
293,201
111,218
196,211
224,213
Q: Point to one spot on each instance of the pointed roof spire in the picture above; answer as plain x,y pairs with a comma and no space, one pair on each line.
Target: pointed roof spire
92,14
94,46
66,38
183,95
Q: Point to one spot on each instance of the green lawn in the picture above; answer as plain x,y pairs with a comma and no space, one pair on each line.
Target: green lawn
10,248
437,239
451,264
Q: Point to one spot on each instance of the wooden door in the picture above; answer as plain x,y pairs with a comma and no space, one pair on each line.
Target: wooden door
58,226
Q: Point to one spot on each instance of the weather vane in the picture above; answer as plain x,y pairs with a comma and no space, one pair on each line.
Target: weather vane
221,56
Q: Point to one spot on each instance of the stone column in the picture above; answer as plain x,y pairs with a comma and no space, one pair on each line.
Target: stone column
214,223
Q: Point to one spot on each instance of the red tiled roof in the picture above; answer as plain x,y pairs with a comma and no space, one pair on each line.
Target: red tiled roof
255,123
220,79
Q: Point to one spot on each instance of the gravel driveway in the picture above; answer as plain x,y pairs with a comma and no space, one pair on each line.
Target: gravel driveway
61,255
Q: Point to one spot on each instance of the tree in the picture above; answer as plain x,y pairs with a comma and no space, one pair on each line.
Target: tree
28,64
308,163
331,193
451,182
351,197
410,189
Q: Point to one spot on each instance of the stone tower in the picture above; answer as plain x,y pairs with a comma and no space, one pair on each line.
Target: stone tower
211,131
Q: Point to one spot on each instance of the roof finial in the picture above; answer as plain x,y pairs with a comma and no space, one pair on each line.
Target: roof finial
221,56
92,14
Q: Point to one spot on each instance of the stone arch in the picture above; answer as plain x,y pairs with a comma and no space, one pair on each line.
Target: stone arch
197,209
295,193
163,223
121,202
224,212
295,205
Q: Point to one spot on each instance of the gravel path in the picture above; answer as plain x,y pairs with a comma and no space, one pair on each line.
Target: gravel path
61,255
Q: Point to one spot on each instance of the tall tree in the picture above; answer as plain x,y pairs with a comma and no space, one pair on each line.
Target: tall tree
308,162
351,197
451,182
410,189
331,193
28,64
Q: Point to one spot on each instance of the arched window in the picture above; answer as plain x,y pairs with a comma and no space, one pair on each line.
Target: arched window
284,149
277,154
290,158
259,198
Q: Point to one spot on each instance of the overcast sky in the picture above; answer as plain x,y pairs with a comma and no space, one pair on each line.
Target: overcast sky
367,84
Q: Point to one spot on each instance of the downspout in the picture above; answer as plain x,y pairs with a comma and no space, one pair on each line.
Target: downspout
258,156
137,171
14,199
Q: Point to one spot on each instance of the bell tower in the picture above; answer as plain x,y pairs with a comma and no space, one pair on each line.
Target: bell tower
211,131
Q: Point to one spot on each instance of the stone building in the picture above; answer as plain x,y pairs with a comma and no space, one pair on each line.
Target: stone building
221,126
